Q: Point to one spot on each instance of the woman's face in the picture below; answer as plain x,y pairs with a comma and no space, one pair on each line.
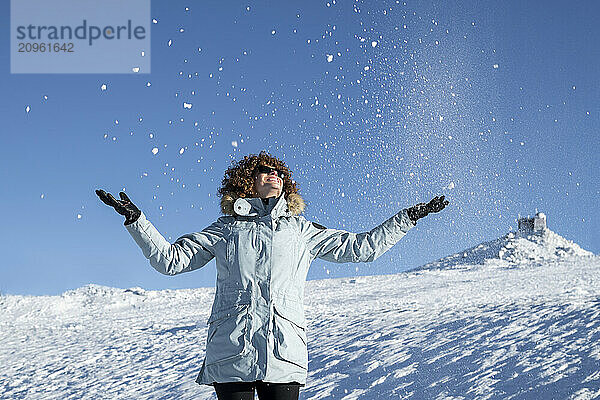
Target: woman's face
268,184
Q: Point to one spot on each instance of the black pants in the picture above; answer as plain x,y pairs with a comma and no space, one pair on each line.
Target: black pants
265,390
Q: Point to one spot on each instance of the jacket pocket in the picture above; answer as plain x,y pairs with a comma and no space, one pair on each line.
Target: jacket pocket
289,331
227,337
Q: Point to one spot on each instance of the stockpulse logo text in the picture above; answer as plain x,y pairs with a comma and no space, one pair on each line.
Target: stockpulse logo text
83,32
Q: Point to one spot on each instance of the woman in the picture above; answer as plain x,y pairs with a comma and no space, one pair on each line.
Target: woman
263,248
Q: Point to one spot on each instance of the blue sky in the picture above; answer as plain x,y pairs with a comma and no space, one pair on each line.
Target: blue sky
374,106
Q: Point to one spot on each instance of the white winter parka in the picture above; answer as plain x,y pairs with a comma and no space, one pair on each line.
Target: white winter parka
257,329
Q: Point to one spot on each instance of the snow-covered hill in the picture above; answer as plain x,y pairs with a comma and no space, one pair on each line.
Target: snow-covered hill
514,249
523,324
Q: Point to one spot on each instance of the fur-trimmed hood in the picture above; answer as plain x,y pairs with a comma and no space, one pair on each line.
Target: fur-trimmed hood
292,204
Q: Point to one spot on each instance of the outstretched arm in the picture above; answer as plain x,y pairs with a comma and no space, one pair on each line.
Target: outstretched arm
341,246
189,252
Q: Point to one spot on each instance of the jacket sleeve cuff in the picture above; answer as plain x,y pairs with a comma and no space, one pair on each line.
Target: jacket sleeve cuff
139,224
404,221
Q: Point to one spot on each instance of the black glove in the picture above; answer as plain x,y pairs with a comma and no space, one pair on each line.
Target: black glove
124,206
419,211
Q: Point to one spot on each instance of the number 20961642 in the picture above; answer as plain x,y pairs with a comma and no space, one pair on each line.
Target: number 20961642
46,47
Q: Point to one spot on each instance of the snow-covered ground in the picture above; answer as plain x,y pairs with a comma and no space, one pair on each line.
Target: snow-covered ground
515,318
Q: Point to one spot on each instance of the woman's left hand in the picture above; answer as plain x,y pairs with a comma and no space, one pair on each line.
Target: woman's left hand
421,210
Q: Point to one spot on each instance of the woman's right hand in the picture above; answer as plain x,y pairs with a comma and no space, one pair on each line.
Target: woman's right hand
124,206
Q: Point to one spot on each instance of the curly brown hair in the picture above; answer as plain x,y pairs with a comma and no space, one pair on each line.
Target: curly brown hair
239,178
